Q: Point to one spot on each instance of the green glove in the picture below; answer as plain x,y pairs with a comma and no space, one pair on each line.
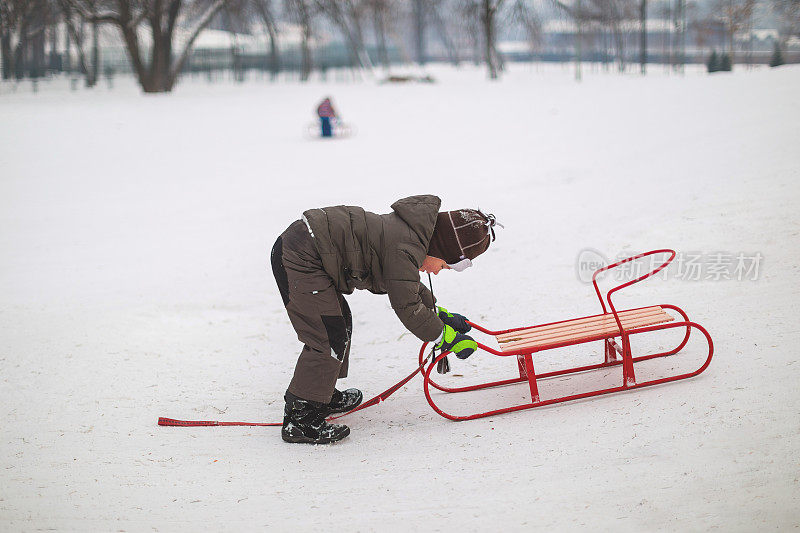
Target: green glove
454,320
458,343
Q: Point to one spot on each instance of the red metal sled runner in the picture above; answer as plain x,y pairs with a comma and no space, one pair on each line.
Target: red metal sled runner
606,327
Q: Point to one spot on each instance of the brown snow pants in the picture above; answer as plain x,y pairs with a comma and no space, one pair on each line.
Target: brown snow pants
318,312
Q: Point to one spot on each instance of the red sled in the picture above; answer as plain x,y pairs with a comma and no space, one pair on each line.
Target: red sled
612,327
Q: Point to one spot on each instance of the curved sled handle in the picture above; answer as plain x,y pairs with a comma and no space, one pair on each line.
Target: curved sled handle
611,291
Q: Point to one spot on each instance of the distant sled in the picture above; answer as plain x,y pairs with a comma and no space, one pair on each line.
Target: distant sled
523,343
341,130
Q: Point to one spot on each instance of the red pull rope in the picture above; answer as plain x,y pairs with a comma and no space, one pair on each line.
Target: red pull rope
162,421
195,423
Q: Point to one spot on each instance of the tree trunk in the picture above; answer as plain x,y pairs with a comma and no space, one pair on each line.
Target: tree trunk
498,58
380,32
87,70
307,61
643,40
21,62
274,54
38,61
619,44
419,31
8,55
749,58
159,68
731,30
487,18
161,77
272,30
67,61
305,45
679,24
19,59
92,75
131,39
54,61
578,40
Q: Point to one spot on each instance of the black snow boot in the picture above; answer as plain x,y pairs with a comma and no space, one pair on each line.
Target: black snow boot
341,402
304,421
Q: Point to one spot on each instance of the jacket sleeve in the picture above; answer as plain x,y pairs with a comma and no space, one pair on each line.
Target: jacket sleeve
406,295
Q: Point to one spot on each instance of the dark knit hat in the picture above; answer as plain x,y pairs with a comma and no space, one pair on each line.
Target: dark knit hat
461,234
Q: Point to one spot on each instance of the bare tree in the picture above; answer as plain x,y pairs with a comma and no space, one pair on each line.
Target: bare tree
612,14
704,29
608,17
643,36
481,20
239,16
10,17
303,12
36,41
489,10
7,22
18,24
347,16
679,43
266,13
524,14
419,31
90,69
579,15
380,11
161,19
736,14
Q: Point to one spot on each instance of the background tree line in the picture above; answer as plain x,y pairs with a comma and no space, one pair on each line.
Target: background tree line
158,35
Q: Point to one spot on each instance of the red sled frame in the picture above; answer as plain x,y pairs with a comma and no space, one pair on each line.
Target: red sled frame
611,352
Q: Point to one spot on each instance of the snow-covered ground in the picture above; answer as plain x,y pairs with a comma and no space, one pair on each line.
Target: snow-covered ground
134,283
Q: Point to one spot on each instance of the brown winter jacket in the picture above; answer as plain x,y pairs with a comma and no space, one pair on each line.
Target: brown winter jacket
382,254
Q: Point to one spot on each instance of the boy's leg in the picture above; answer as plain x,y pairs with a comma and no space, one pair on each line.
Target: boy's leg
319,315
320,325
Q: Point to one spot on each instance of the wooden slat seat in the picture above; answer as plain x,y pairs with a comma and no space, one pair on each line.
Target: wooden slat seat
541,337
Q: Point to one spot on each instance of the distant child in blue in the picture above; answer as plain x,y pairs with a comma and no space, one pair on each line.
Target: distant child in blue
326,115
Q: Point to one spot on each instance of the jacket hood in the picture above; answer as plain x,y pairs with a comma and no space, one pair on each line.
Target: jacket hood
420,213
